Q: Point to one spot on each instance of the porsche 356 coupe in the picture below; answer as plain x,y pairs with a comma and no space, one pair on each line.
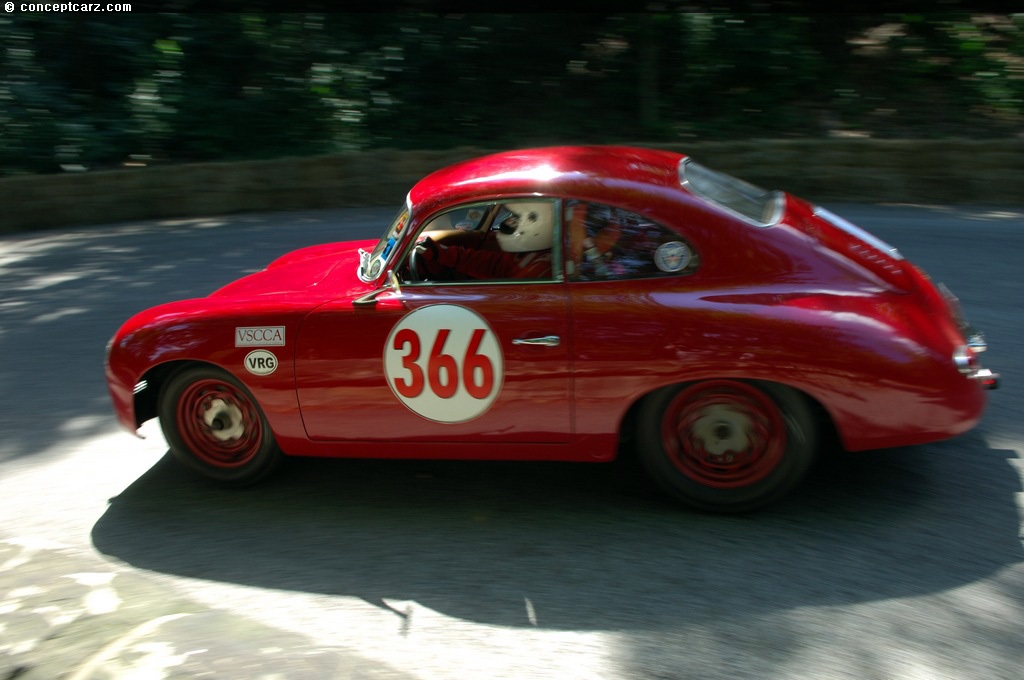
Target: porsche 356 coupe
557,304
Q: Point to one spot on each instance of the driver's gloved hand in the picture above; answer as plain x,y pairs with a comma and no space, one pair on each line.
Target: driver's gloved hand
427,250
435,255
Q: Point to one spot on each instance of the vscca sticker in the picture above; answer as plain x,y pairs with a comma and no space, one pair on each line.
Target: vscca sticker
444,363
259,336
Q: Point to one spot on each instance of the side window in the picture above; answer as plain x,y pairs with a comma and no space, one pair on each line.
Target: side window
508,241
462,219
606,243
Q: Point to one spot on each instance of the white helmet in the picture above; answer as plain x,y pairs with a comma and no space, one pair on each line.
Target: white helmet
528,227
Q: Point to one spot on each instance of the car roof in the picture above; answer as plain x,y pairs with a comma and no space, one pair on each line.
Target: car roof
596,172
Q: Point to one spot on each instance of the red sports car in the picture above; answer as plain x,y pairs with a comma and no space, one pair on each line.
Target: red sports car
553,304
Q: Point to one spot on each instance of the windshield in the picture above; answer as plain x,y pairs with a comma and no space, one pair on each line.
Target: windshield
752,202
371,264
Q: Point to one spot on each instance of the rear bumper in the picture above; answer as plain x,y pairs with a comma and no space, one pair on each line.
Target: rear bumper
987,379
966,359
966,356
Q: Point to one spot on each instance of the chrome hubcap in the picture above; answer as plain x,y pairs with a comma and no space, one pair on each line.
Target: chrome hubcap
722,432
224,420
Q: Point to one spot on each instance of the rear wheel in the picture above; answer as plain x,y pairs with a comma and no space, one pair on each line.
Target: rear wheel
726,445
214,426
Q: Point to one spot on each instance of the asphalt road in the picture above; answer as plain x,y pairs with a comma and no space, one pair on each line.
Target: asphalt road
896,564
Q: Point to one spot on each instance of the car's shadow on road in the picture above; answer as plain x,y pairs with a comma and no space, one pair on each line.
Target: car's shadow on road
571,546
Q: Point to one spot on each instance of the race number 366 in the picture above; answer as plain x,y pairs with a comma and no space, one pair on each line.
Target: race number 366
444,363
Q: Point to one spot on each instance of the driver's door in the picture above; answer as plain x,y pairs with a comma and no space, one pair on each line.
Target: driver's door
474,362
454,361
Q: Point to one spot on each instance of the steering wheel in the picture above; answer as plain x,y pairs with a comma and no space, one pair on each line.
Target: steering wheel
417,267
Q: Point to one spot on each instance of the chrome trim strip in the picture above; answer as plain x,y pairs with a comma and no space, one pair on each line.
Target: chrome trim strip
857,232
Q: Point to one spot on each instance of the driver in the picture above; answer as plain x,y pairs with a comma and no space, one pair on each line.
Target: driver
524,237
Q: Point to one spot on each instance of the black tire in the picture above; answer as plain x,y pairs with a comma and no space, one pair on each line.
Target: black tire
215,427
726,445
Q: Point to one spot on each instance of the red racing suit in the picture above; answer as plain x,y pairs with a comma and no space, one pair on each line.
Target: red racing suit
487,264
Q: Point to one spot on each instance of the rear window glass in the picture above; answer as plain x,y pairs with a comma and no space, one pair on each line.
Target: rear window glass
747,200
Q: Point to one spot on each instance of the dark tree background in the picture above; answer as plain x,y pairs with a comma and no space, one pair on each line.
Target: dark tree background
103,90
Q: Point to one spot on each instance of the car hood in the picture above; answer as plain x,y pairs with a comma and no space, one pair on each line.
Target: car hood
320,272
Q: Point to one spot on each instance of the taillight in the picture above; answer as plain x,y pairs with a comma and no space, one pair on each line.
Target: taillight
964,359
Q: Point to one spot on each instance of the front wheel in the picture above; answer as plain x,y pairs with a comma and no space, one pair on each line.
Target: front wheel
726,445
214,426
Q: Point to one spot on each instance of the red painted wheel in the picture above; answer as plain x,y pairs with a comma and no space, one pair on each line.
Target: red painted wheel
214,426
726,445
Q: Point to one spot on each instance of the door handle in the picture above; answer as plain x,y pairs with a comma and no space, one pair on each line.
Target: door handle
546,341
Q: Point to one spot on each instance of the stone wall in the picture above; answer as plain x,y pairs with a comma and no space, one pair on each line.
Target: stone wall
949,171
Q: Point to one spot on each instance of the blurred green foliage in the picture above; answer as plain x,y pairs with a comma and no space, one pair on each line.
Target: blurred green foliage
102,90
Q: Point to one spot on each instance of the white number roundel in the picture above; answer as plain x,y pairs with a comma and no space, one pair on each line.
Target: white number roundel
444,363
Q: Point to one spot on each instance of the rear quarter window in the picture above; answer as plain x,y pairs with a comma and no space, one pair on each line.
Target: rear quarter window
608,243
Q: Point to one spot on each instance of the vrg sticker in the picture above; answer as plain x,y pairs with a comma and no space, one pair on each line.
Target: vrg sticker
259,336
444,363
260,362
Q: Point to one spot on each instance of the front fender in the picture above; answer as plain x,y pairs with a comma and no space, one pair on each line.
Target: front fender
252,340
